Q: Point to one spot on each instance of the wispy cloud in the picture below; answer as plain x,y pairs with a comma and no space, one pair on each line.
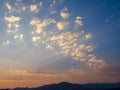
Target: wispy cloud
32,73
101,75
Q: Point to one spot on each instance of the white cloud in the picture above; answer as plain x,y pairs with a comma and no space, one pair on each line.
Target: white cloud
34,21
19,37
35,7
94,62
53,12
89,48
53,2
78,22
6,43
62,25
64,13
78,18
33,72
40,25
23,8
12,19
34,39
88,36
68,45
11,31
9,6
46,22
49,47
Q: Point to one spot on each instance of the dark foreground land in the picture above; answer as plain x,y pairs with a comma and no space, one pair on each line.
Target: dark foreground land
70,86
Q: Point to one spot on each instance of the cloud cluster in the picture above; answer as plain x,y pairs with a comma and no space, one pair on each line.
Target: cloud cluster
69,46
56,34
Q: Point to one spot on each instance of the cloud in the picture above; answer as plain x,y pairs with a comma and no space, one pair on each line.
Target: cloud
67,42
53,12
34,39
19,7
53,33
78,22
88,36
35,7
95,63
89,48
39,25
19,37
18,72
49,47
9,7
95,76
52,3
62,25
72,74
46,22
6,43
34,21
34,73
23,8
64,14
12,19
11,31
9,25
12,24
77,72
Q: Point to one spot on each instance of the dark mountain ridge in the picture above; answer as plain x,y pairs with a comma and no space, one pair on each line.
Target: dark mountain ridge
71,86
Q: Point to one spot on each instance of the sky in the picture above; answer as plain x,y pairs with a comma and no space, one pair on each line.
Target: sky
50,41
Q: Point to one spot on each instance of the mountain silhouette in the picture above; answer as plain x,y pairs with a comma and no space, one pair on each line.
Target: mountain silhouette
71,86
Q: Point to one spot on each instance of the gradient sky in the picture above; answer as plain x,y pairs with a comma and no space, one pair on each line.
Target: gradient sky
49,41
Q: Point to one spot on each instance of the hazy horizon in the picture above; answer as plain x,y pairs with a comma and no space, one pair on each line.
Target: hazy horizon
50,41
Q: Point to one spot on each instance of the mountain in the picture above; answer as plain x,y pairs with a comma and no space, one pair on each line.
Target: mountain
70,86
62,86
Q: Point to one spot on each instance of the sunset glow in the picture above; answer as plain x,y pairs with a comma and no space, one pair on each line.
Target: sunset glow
49,41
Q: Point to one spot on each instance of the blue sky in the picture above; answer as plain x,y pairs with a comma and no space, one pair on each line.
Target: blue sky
43,40
102,19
